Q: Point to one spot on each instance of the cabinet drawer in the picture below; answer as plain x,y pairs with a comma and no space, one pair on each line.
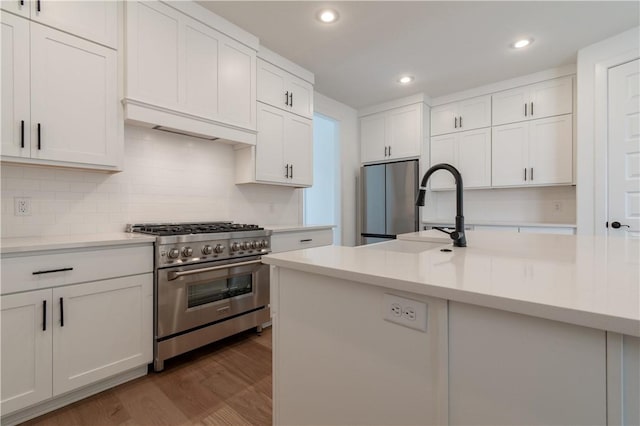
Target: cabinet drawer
56,268
288,241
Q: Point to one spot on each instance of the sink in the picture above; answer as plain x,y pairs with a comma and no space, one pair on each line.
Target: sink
403,246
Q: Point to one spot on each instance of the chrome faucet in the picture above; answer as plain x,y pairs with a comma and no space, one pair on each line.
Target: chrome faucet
457,236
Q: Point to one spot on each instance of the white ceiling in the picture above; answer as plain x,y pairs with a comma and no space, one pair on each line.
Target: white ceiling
447,46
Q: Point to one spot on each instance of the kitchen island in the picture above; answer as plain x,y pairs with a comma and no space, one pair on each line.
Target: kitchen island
513,329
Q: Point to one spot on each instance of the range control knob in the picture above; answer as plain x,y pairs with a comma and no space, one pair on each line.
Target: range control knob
219,248
187,251
246,245
206,250
235,246
254,244
264,243
174,253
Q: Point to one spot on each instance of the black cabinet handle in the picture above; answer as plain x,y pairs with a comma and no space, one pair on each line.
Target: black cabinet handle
385,151
291,174
531,108
61,312
291,99
308,240
21,3
461,122
389,150
44,315
39,138
455,122
50,271
286,171
21,133
532,173
38,6
525,109
525,174
286,98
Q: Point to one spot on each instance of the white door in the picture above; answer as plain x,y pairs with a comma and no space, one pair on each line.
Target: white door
509,106
405,130
444,150
624,149
372,137
474,113
444,119
509,154
236,88
552,97
94,20
270,165
152,50
271,85
474,158
301,100
74,101
201,45
298,149
101,329
551,150
26,349
16,123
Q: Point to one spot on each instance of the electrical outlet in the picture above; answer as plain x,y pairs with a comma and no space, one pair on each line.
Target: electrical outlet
403,311
557,206
22,206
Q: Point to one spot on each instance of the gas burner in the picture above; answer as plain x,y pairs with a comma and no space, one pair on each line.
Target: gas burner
166,229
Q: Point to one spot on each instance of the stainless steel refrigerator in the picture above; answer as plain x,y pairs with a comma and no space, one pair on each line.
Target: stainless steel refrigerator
388,200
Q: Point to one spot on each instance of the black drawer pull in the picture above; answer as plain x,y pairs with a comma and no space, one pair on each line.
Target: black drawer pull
44,315
39,138
61,312
286,98
38,6
50,271
21,133
308,240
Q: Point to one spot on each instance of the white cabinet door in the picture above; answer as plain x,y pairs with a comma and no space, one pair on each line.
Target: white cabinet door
474,113
237,94
372,137
443,150
444,119
107,330
272,83
73,98
474,158
405,131
270,164
16,124
26,349
301,100
94,20
18,7
201,46
152,49
509,106
550,150
549,98
298,150
509,156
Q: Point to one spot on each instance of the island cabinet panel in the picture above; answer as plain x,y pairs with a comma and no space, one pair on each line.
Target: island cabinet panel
507,368
623,379
337,361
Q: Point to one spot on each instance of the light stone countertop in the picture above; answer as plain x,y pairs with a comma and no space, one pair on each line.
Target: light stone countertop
30,244
591,281
426,221
296,228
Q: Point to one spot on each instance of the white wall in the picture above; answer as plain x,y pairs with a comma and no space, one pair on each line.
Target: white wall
166,177
593,64
347,119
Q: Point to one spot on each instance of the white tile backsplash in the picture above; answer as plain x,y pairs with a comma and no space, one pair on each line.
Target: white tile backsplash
166,177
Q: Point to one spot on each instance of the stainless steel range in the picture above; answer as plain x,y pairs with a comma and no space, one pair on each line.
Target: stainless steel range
209,283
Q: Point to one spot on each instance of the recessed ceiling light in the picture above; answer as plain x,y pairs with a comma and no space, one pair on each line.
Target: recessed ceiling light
406,79
328,16
522,43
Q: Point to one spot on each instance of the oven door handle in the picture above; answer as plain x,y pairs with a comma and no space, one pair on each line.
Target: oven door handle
177,274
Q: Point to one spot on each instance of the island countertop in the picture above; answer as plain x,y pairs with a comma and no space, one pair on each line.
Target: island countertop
592,281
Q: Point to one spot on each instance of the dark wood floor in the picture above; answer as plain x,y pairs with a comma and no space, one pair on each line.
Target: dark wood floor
225,383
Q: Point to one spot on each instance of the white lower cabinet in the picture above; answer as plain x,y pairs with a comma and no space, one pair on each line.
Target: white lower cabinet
68,336
301,239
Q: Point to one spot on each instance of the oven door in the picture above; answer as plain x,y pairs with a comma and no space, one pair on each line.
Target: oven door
197,295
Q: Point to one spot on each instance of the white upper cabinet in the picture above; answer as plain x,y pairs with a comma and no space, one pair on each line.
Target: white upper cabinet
469,114
185,74
537,152
93,20
59,98
16,114
284,90
392,135
540,100
469,152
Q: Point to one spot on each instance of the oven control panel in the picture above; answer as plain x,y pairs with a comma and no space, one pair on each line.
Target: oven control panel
200,251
